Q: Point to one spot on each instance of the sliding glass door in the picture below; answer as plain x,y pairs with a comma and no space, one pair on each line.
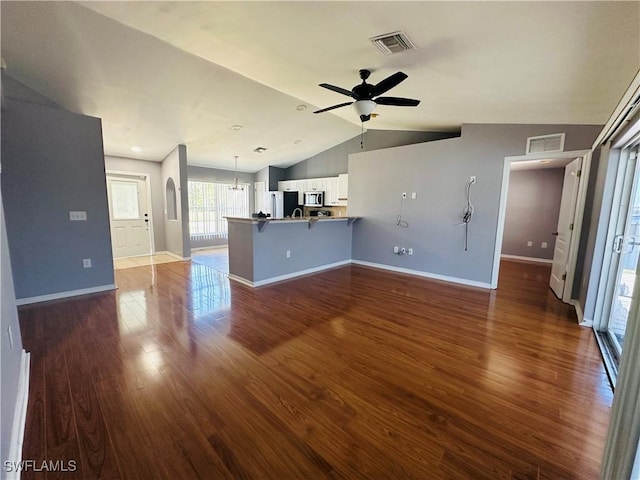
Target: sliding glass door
625,247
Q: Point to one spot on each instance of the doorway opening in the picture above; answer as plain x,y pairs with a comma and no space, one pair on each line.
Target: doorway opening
130,216
576,165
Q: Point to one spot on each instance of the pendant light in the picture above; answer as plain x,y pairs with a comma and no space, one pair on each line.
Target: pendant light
235,184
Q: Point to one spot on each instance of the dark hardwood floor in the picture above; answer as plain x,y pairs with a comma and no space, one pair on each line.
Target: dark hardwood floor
350,373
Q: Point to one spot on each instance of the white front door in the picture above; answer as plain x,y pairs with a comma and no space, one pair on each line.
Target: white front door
259,189
565,227
128,215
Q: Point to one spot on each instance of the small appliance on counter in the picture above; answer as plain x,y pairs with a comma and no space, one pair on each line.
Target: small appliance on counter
314,199
320,213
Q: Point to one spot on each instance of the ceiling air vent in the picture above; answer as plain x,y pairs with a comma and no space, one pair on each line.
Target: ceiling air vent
393,43
546,143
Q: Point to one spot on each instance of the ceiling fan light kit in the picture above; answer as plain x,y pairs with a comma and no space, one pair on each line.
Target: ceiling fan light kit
364,108
363,94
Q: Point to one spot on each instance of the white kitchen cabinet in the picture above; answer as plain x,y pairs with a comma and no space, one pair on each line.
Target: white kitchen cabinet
343,186
334,188
331,191
286,185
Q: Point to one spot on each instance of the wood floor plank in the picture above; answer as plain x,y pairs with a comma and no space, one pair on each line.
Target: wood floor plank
35,428
62,438
350,373
96,449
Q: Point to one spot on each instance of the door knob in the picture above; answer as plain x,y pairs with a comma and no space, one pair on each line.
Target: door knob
555,234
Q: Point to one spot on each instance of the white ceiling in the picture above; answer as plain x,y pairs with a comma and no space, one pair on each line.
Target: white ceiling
164,73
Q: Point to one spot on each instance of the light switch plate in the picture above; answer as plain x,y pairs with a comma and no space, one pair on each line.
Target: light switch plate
78,216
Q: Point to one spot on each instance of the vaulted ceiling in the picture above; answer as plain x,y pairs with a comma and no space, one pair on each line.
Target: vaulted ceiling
164,73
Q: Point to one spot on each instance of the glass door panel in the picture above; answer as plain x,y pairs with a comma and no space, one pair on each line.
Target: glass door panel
626,248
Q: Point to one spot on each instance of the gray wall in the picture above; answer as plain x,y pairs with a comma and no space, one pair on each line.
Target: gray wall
53,162
533,207
177,239
10,357
334,161
439,171
325,243
270,176
258,256
262,176
225,176
241,249
154,170
276,175
18,91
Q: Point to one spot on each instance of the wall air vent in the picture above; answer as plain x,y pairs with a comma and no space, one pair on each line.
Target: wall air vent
395,42
546,143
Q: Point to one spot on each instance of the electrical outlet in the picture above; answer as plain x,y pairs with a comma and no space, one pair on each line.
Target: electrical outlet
472,179
414,195
288,253
544,245
86,263
529,243
396,249
404,194
409,251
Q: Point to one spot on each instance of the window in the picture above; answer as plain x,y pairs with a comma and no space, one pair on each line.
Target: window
124,200
209,203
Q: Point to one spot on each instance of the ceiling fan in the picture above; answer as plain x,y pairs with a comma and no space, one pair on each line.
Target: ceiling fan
364,94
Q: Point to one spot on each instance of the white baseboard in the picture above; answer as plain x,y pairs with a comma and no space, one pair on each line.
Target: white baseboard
241,280
20,414
67,294
211,247
526,259
174,255
288,276
419,273
433,276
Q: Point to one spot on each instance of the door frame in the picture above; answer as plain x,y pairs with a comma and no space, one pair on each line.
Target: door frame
147,180
577,217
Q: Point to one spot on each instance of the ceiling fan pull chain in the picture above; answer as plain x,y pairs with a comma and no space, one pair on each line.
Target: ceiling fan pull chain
362,136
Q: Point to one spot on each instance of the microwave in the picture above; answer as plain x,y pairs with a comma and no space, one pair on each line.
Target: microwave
314,199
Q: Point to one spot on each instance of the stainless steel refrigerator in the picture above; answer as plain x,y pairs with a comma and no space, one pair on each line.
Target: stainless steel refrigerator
281,204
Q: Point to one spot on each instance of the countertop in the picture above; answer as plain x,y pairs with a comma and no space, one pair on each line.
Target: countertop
289,219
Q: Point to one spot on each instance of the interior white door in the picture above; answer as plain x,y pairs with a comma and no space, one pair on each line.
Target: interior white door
129,216
565,227
259,190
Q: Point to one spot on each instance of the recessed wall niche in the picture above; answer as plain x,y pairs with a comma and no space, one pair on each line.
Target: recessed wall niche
170,199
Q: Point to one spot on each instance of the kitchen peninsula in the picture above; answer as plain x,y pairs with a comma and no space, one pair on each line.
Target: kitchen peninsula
265,250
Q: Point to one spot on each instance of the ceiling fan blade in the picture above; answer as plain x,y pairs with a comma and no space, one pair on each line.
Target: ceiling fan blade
332,107
388,83
341,90
397,101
